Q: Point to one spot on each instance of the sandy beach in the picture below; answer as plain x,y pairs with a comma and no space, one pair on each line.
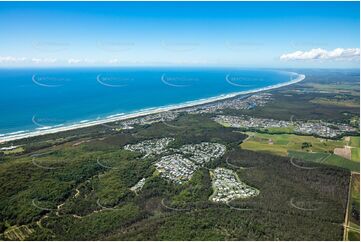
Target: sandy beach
51,130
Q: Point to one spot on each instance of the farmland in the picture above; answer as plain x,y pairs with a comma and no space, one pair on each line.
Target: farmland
303,147
353,223
355,148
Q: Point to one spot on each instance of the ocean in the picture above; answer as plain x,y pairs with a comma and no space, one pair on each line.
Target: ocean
39,99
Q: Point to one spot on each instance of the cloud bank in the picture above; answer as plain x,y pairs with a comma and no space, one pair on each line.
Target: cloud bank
322,54
43,60
11,59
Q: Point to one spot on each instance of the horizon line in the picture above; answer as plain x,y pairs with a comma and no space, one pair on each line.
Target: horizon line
170,66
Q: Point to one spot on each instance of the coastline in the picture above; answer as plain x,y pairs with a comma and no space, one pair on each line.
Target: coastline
113,118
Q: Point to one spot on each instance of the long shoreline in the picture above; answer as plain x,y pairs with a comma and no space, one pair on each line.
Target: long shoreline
145,112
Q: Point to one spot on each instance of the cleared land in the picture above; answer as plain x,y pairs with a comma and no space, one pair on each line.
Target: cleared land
14,151
355,154
352,227
334,88
302,147
18,233
336,102
355,148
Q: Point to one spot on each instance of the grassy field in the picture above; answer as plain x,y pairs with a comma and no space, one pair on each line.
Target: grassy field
336,102
334,88
355,148
355,141
289,129
355,154
353,232
303,147
328,159
14,151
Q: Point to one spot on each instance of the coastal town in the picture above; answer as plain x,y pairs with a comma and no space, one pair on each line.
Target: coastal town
204,152
228,187
176,168
237,103
178,165
150,147
322,129
148,119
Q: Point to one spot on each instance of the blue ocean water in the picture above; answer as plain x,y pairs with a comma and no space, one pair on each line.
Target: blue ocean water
37,98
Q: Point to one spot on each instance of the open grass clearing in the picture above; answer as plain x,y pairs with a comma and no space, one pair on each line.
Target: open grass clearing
302,147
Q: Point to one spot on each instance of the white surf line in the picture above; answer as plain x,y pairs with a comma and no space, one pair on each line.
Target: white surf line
144,112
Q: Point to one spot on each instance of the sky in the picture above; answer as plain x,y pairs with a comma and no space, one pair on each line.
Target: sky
243,34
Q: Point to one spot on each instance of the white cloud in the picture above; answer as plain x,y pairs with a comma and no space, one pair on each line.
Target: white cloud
74,61
322,54
11,59
43,60
113,61
81,61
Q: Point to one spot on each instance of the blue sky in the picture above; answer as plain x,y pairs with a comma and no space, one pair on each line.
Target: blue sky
246,34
